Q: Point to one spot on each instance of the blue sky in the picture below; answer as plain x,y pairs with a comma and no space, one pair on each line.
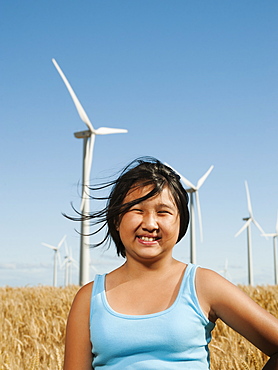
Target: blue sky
195,84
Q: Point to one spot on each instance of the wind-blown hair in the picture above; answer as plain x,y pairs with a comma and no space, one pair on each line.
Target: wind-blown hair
141,172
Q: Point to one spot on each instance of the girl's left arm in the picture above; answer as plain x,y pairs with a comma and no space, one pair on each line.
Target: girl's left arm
221,299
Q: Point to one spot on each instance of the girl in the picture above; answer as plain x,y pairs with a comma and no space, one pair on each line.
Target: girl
155,312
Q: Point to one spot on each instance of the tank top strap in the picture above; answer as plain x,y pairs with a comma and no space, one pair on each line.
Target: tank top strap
188,282
188,290
99,284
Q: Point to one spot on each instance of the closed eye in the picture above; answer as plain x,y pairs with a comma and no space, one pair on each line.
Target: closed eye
135,209
164,212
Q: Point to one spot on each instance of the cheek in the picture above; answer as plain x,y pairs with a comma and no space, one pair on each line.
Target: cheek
128,224
123,223
176,228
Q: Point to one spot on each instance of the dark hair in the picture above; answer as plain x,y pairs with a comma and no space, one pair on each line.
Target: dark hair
140,172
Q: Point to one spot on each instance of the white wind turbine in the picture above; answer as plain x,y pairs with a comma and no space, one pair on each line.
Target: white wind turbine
225,271
56,257
194,190
68,262
88,137
247,226
274,236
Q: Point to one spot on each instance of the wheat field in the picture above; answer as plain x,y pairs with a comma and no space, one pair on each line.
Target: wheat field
33,321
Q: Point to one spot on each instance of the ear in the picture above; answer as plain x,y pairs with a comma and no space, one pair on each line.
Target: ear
117,224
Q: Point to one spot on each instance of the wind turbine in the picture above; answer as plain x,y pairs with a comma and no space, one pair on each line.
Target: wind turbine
88,137
225,271
68,262
56,257
274,236
194,190
247,226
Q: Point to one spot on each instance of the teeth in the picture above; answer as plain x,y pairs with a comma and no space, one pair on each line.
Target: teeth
146,239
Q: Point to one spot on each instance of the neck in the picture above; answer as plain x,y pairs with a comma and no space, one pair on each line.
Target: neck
136,269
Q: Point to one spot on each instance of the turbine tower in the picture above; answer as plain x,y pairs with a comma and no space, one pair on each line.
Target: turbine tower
56,257
194,190
88,137
247,226
274,236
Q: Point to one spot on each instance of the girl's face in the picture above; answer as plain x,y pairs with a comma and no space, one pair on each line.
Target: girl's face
150,229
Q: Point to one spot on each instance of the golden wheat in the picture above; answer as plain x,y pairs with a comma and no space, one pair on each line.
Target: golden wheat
33,321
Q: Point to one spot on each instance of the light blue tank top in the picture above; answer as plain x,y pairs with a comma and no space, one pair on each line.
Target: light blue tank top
176,338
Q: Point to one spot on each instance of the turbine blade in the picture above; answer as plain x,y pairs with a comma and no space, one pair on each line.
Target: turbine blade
276,228
258,226
50,246
64,263
269,234
61,241
187,182
107,131
204,177
66,248
247,223
199,215
77,103
248,200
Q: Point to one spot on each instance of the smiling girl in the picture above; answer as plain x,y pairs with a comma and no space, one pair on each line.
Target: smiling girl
155,312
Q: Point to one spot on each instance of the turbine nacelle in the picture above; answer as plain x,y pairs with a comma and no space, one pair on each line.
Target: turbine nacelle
99,131
83,134
251,217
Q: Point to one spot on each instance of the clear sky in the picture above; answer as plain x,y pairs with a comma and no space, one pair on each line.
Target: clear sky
195,84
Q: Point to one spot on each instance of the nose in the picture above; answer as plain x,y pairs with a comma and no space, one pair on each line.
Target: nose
149,222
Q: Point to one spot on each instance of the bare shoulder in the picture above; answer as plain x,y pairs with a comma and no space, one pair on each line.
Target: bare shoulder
209,286
215,292
83,296
209,282
85,291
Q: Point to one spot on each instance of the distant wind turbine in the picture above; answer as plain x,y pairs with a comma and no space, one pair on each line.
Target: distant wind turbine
225,271
274,236
88,137
247,226
68,262
56,258
194,190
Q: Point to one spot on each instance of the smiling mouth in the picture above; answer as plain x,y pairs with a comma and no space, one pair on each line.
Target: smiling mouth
148,239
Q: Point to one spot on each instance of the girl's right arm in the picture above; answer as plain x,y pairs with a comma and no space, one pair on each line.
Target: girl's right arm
78,349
